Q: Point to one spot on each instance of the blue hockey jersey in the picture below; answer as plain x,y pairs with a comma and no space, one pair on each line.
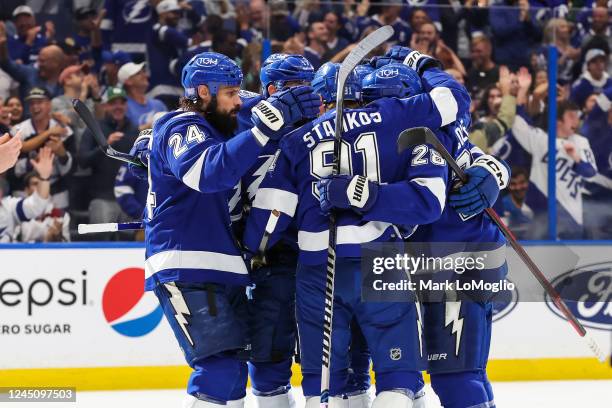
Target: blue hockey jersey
192,170
413,183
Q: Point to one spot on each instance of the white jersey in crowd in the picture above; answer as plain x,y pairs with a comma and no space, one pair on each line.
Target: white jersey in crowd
14,211
570,179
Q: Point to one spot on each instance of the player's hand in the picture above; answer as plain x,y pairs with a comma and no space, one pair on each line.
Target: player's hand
274,116
486,177
414,59
344,192
142,152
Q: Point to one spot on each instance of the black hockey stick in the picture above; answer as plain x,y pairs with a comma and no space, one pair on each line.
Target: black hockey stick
363,48
422,135
93,125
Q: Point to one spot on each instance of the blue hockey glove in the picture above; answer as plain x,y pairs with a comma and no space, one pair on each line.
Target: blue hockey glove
273,117
486,177
141,150
344,192
414,59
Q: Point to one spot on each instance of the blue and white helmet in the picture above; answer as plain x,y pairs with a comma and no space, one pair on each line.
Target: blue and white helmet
325,83
211,69
392,80
278,69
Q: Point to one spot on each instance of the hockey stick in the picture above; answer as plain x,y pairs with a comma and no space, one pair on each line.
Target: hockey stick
110,227
363,48
421,135
93,125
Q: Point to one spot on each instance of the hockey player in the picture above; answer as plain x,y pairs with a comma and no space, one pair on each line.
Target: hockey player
290,187
461,330
194,161
272,300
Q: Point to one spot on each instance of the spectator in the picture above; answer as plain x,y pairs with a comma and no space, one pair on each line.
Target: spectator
111,62
5,120
7,85
335,44
308,11
9,151
515,212
575,163
600,26
29,39
418,17
282,25
121,134
50,226
165,44
15,210
593,79
389,15
515,33
131,193
43,130
223,8
50,65
126,27
484,72
141,108
253,22
15,109
597,128
317,43
499,108
88,37
558,33
428,41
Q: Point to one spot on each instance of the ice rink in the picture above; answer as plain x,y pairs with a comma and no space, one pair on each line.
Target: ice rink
549,394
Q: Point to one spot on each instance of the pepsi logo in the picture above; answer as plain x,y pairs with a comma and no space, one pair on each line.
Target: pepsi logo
587,291
505,303
387,73
207,62
126,308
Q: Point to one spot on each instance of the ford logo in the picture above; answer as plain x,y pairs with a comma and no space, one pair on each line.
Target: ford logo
504,304
587,290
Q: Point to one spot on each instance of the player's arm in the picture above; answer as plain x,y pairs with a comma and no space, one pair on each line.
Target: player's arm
274,205
125,193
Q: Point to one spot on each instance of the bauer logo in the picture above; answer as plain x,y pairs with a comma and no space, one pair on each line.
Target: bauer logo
207,62
505,303
588,293
387,73
126,307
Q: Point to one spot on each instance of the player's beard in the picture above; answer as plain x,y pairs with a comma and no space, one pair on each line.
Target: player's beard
224,122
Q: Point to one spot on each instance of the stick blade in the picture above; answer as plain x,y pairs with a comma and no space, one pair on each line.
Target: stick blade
411,137
91,123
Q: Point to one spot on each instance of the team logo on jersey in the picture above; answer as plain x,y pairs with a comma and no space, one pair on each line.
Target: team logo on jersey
125,306
206,62
387,73
395,353
136,12
587,290
505,304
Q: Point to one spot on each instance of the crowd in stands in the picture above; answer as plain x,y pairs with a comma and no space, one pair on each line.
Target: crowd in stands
123,59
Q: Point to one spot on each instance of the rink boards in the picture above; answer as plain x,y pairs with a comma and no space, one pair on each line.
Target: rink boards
76,315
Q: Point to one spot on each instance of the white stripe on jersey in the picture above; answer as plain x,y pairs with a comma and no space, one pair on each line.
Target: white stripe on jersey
436,186
445,103
347,234
275,199
192,177
176,259
122,190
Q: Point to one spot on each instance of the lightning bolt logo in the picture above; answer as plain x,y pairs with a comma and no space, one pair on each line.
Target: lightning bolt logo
180,307
259,175
138,7
452,316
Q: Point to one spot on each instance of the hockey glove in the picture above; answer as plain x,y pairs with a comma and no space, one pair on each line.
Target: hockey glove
273,117
344,192
142,152
486,177
414,59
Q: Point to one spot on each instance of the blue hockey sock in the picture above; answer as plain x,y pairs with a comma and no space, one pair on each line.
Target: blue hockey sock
311,383
466,389
218,378
269,377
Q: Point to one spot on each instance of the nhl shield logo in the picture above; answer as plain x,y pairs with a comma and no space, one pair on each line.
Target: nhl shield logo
395,354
